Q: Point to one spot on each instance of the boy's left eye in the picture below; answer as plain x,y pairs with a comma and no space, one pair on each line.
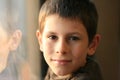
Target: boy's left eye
74,38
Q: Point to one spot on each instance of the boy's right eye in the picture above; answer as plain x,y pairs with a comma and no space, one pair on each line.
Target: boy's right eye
52,37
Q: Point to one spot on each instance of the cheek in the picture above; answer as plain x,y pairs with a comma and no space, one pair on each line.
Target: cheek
80,49
80,59
47,47
47,51
4,51
80,54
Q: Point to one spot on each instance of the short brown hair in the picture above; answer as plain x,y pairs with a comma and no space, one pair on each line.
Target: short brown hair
83,10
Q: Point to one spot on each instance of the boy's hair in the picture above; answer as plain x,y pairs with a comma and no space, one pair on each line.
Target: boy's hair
80,10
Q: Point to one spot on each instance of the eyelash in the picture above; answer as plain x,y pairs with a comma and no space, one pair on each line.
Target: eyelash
52,37
70,38
74,38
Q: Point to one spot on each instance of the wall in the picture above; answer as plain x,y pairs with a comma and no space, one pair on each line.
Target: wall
108,53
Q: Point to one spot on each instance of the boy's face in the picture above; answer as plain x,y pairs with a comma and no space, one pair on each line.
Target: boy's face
64,44
4,48
3,39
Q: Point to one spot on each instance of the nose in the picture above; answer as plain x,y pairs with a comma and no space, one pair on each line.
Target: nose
62,47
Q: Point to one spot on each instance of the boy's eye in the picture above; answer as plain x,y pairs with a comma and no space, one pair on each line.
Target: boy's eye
74,38
52,37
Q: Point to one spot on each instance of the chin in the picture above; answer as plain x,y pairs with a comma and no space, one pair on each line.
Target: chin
62,73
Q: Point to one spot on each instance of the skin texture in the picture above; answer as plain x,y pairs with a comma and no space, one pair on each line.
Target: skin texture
65,44
4,49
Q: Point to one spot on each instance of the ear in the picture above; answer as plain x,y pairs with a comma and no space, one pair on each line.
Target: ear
15,40
38,35
94,44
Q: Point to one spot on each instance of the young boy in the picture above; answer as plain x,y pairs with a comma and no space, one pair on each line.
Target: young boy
67,37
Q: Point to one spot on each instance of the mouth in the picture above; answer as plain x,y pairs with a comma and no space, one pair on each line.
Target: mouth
61,61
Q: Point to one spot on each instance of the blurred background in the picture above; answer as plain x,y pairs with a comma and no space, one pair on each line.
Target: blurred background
108,53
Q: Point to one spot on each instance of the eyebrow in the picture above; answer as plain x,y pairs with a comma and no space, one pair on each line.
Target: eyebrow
70,33
50,32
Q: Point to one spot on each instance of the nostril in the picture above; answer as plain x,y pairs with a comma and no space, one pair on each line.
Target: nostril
61,52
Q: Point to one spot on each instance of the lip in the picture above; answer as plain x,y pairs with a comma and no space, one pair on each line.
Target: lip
61,61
